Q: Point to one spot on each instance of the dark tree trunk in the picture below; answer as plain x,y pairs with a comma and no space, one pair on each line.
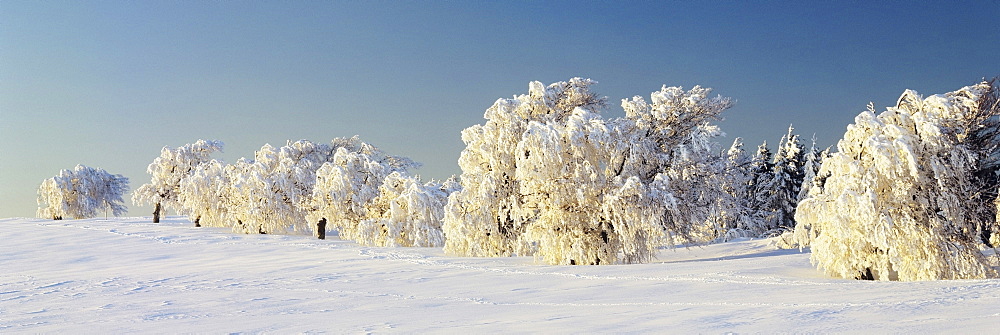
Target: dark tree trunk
197,222
57,217
321,228
867,275
156,213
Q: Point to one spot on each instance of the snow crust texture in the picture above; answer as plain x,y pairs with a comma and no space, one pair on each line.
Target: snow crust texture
130,276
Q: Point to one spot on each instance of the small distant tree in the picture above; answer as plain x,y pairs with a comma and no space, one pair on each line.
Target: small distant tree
733,215
810,170
81,193
761,192
168,170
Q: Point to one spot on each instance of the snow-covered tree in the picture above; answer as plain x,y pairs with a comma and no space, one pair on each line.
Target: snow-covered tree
347,183
276,191
483,219
981,137
203,194
733,215
896,204
547,176
563,181
343,188
81,193
810,169
168,171
242,186
277,185
760,191
406,213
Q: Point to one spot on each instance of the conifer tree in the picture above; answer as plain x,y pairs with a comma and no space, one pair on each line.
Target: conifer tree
788,175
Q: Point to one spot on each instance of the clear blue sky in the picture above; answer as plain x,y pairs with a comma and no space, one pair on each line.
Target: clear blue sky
108,83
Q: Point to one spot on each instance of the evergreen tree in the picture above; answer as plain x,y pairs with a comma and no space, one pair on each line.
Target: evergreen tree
814,158
761,193
734,214
788,175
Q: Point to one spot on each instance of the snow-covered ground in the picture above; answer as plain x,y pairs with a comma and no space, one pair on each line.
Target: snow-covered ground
128,275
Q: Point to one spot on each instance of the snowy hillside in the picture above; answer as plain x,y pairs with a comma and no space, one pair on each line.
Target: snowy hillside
128,275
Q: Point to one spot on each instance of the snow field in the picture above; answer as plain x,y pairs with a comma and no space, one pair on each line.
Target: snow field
127,275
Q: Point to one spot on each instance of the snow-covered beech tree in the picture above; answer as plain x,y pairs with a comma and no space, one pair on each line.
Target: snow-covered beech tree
546,175
896,204
406,213
81,193
564,177
276,186
981,137
168,171
347,183
673,136
274,192
241,191
343,188
204,193
483,219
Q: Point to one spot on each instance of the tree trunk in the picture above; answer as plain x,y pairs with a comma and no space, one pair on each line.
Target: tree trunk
197,222
156,213
57,217
321,228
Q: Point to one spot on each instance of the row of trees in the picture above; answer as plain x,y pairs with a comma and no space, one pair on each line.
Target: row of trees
910,193
761,190
362,192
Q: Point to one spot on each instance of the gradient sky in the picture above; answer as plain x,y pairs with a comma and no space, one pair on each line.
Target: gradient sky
108,83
